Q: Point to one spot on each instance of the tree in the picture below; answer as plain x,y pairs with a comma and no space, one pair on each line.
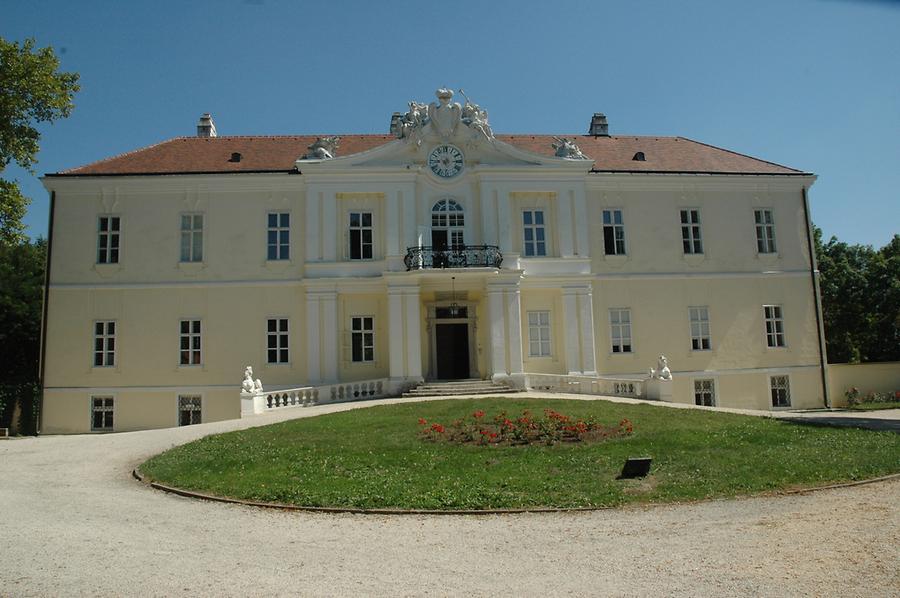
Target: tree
860,300
32,91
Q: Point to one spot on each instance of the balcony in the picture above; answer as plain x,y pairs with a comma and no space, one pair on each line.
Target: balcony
461,256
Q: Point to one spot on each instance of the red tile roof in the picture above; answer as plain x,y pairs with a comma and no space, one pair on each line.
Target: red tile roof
194,155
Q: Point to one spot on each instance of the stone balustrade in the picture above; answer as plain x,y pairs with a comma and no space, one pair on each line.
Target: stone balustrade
305,396
590,385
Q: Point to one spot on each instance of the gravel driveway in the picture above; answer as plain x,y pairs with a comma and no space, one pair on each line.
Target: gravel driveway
74,522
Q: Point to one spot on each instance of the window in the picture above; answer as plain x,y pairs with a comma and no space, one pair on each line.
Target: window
192,237
105,343
190,410
765,231
613,232
690,232
108,240
620,330
447,222
360,235
101,414
278,236
362,339
277,340
705,392
539,333
774,326
534,233
699,317
781,391
189,348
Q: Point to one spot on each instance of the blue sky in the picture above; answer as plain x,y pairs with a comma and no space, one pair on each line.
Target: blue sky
812,84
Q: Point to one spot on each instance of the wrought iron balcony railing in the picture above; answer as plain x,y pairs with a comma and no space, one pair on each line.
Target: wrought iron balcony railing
462,256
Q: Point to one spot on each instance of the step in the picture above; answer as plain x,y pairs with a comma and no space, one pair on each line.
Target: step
459,388
446,393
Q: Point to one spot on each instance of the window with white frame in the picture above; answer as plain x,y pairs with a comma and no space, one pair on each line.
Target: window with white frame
362,339
190,410
102,414
620,330
108,231
774,325
705,392
613,232
447,219
539,333
192,237
781,391
691,241
765,231
361,245
700,339
105,343
278,236
189,342
277,340
534,233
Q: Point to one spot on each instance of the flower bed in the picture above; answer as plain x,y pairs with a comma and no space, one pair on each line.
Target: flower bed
480,429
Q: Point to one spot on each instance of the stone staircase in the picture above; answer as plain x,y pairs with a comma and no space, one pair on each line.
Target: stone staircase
460,387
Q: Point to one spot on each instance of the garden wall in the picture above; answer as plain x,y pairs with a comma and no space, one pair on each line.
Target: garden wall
867,377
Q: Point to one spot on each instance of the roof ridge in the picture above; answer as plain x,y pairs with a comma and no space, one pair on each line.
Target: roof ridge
725,149
122,155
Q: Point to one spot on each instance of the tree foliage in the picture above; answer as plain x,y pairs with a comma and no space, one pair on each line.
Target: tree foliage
32,91
860,300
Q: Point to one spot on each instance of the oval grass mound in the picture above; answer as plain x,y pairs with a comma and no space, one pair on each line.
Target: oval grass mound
376,458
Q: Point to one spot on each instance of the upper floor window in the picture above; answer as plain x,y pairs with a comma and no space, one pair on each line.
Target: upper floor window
613,232
699,316
105,343
765,231
361,236
278,236
192,237
534,233
774,325
362,333
447,222
620,330
690,232
189,347
108,240
277,340
539,333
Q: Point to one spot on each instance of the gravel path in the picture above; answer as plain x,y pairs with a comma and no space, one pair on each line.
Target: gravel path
74,522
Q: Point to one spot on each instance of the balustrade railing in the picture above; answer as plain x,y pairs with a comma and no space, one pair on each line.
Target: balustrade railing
590,385
462,256
306,396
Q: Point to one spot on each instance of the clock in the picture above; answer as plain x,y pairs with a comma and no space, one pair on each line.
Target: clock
446,161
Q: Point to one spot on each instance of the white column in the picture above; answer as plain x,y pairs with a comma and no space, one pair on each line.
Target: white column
489,234
313,226
395,340
564,230
503,216
582,244
571,331
413,334
313,346
496,315
392,225
331,236
514,323
330,356
408,207
586,326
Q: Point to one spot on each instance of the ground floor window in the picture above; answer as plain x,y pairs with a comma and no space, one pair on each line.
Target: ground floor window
781,391
539,333
705,392
277,340
620,330
362,331
101,414
189,410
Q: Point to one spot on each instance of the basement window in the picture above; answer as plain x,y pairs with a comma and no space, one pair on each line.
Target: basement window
235,157
639,157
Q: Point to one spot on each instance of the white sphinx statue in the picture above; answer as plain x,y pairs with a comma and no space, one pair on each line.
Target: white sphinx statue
249,385
662,371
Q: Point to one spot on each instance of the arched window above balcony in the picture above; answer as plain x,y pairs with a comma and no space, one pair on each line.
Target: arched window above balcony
447,213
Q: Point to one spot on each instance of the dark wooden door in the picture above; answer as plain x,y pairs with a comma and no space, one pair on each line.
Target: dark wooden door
452,345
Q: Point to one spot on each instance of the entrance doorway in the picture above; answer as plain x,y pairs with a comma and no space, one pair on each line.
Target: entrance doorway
452,351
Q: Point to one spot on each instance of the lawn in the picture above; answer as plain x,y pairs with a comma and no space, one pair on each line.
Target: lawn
373,458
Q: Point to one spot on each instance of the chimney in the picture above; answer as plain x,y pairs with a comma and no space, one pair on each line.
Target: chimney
599,126
206,127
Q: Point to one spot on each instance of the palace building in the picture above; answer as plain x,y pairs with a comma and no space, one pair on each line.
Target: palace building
439,251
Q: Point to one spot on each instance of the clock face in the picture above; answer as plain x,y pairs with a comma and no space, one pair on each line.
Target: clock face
446,161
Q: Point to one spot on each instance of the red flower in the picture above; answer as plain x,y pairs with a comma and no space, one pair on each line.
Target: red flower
478,414
437,428
422,421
